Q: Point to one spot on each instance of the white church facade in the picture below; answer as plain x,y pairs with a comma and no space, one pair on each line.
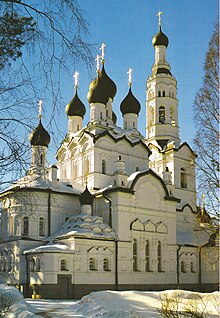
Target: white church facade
117,210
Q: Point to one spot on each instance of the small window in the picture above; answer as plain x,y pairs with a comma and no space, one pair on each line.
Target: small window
147,256
63,266
159,94
125,125
106,112
183,178
159,257
103,166
92,266
192,267
133,124
135,255
182,267
25,225
77,128
41,227
33,264
106,266
122,183
137,169
41,159
38,265
101,115
164,94
162,117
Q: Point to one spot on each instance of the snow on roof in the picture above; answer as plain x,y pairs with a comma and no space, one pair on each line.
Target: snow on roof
58,248
84,225
132,177
37,182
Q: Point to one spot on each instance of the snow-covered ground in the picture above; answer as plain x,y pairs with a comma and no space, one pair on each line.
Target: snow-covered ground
110,304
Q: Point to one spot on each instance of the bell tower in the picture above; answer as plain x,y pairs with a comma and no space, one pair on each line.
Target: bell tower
162,103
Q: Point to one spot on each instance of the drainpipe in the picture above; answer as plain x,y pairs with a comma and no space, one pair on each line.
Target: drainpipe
116,264
49,213
110,209
200,268
178,265
27,277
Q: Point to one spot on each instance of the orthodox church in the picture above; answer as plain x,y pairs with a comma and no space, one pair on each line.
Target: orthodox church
118,209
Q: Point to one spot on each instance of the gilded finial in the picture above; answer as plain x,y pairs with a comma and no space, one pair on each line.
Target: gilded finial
76,79
40,103
159,18
102,48
130,70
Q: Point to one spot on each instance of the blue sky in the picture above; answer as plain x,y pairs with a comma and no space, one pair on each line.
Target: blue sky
127,27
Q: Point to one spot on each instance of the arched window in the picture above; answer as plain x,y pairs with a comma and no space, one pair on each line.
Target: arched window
159,94
77,127
183,178
4,267
192,267
182,267
41,227
38,265
151,116
33,264
172,120
159,257
100,115
106,266
25,225
103,166
162,117
164,94
92,266
135,255
63,266
86,166
74,169
147,256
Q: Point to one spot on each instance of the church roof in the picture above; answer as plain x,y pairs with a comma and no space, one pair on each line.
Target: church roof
86,197
84,225
39,136
101,88
160,39
130,104
75,107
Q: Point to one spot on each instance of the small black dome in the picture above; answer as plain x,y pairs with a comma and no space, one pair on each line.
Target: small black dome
130,104
101,88
75,107
86,197
160,39
114,117
39,136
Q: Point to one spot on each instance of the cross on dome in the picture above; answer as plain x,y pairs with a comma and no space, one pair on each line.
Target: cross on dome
130,70
102,48
76,78
97,62
40,103
159,18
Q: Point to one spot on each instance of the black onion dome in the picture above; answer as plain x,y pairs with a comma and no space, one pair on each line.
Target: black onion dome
86,197
75,107
114,117
160,39
130,104
39,136
101,88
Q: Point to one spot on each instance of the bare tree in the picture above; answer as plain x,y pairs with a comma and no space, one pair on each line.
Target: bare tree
39,41
206,116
